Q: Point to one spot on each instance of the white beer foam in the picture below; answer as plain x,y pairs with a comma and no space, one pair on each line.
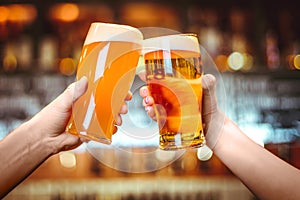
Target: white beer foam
112,32
187,42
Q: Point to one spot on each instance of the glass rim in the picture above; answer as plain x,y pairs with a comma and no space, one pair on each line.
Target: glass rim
173,35
101,31
180,41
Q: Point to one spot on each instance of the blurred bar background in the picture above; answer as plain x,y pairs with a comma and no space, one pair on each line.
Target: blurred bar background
255,45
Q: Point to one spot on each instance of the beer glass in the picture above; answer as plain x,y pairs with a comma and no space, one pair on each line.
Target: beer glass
108,59
173,73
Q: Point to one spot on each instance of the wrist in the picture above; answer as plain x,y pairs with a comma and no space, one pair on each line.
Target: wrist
39,141
215,128
224,130
231,139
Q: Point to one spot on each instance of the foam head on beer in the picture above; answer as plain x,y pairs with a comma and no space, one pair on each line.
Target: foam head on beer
115,32
183,42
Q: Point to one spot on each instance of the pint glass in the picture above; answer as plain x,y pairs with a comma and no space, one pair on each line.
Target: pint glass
108,59
173,73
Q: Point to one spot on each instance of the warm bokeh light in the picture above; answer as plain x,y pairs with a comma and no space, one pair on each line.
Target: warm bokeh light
239,61
290,61
221,62
248,62
297,61
4,13
236,61
66,12
204,153
10,63
149,14
22,13
16,13
67,159
67,66
293,61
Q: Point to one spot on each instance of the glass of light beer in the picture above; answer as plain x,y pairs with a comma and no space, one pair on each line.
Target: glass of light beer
173,73
108,59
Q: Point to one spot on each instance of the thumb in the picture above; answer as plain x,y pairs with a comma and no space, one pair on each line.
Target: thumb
78,88
71,94
209,94
208,82
213,118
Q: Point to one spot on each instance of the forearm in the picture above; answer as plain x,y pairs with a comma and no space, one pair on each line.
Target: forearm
22,151
263,173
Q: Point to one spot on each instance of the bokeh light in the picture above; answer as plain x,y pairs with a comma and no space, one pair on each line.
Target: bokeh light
204,153
236,61
4,13
67,159
297,61
67,66
66,12
221,62
248,62
290,61
20,13
10,63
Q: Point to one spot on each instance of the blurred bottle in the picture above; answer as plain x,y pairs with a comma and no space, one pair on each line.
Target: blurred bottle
272,51
48,54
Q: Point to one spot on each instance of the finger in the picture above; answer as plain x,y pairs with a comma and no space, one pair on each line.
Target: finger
148,101
80,87
115,129
119,120
209,82
84,140
68,141
209,88
124,109
209,103
144,91
150,111
75,90
128,96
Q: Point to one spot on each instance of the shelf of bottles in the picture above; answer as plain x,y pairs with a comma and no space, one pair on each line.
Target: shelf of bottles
48,37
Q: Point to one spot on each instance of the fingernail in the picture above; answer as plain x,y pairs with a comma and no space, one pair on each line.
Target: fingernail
82,82
144,91
147,108
124,109
82,79
147,100
119,121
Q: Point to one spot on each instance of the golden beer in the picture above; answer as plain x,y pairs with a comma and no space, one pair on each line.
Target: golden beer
108,59
173,73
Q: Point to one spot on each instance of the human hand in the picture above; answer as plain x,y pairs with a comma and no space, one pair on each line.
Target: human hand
212,117
52,120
